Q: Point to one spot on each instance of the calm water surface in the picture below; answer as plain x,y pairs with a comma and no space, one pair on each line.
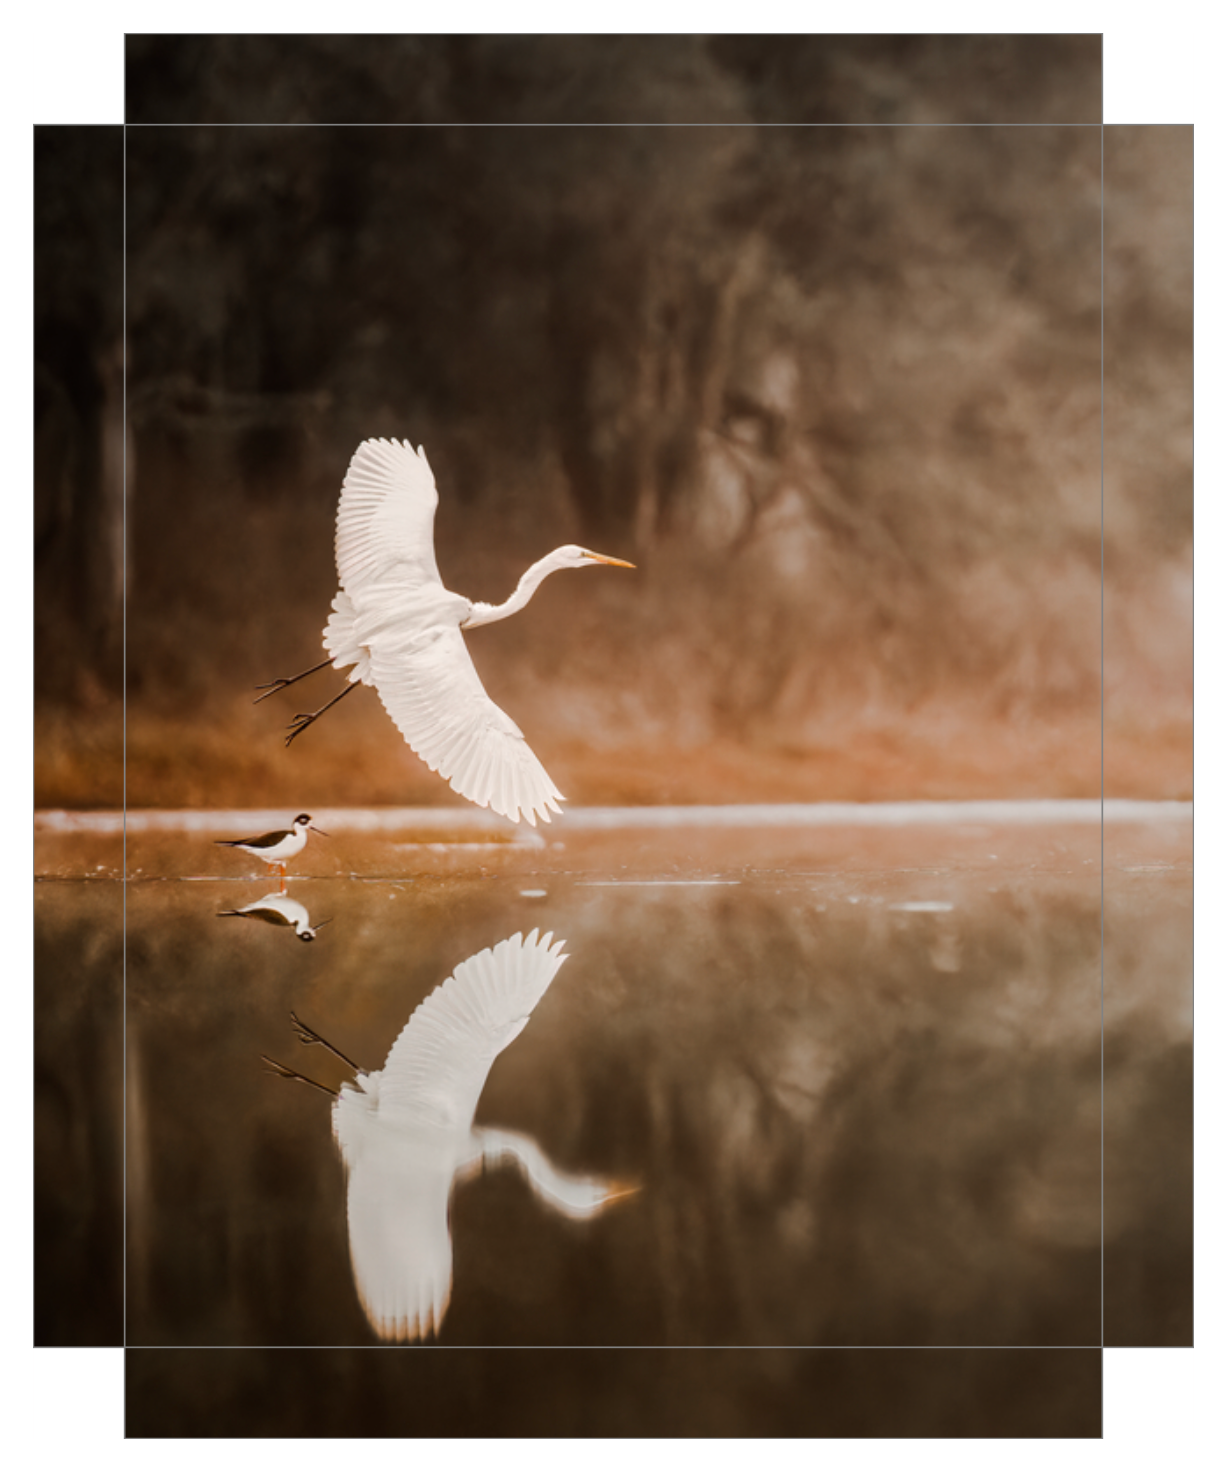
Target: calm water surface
792,1085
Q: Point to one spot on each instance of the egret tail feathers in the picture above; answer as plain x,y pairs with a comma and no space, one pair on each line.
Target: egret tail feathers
342,641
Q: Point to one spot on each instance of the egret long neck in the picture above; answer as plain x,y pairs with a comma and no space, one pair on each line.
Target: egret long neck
484,612
571,1195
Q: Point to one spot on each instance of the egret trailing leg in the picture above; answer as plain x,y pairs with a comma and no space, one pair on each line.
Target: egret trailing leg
278,684
278,1070
301,722
309,1037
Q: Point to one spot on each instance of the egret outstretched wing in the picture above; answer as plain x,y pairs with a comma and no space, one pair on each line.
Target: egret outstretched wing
384,531
437,1067
398,1226
434,696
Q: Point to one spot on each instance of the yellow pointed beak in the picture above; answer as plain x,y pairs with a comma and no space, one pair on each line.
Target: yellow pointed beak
610,561
621,1189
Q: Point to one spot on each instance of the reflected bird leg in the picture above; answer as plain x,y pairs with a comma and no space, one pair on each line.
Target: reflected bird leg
278,1070
278,684
308,1037
301,722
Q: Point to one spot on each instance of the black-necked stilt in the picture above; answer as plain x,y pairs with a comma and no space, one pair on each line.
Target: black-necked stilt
278,908
407,1132
395,622
275,848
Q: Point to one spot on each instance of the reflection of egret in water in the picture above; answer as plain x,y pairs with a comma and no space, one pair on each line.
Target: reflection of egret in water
406,1133
278,908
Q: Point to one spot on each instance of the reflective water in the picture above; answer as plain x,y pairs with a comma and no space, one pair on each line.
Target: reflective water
819,1084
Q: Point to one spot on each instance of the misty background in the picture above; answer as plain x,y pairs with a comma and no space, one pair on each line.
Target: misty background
835,389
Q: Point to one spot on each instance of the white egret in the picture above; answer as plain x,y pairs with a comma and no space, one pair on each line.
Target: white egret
406,1133
279,909
396,627
275,849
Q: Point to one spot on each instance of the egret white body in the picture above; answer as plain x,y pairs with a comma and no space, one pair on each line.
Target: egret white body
406,1133
396,627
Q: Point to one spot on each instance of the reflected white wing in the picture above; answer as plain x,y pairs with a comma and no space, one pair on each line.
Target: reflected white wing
436,1069
398,1224
384,530
434,696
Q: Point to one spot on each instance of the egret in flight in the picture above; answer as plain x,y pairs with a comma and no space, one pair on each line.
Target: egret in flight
406,1133
275,849
396,627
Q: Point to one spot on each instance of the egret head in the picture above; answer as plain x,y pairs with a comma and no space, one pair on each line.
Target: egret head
578,556
555,561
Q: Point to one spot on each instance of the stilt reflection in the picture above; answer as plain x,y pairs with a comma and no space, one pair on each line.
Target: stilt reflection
278,908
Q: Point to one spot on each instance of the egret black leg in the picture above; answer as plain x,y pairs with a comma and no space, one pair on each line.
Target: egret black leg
301,722
285,683
278,1070
308,1037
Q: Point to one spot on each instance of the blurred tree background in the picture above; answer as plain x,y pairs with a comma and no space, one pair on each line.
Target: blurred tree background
808,327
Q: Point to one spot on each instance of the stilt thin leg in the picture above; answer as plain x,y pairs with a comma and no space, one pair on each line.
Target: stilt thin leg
301,722
308,1037
285,683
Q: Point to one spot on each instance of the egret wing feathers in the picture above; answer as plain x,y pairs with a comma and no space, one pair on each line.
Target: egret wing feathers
437,1067
433,694
384,531
401,1252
